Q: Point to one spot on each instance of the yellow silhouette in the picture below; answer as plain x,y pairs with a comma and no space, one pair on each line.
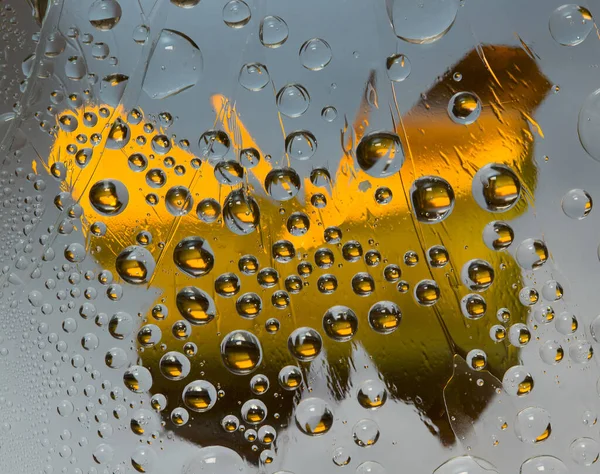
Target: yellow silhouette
415,361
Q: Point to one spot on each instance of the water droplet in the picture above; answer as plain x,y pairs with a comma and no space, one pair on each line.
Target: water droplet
543,464
313,416
473,306
588,123
293,100
363,284
581,352
371,394
137,162
305,344
241,352
427,292
341,457
464,108
432,199
254,76
517,381
195,305
273,31
552,291
135,265
215,460
340,323
249,305
103,453
174,365
149,335
365,433
585,451
290,377
498,235
105,14
208,210
248,264
551,352
315,54
174,66
370,467
570,24
194,257
466,465
422,22
241,212
236,13
496,188
398,67
259,384
532,254
180,416
438,256
254,411
380,154
384,317
477,359
179,200
230,423
185,4
227,285
477,275
144,459
109,197
140,34
138,379
532,425
329,113
112,88
301,145
576,204
282,184
199,395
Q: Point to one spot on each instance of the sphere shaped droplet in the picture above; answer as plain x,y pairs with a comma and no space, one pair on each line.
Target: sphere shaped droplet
241,352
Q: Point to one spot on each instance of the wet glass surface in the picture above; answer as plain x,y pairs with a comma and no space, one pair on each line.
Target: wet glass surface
292,237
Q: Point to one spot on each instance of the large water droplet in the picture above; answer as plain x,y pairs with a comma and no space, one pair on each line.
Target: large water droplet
422,22
314,416
194,256
105,14
293,100
241,352
398,67
273,31
174,66
195,305
543,464
570,24
301,145
380,154
254,76
135,265
215,460
236,13
466,465
464,108
282,184
432,199
109,197
496,188
241,212
315,54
